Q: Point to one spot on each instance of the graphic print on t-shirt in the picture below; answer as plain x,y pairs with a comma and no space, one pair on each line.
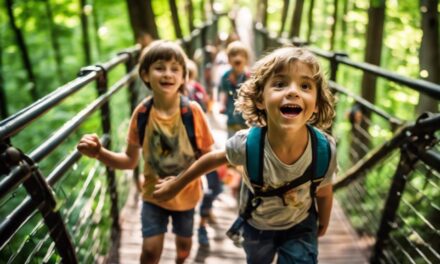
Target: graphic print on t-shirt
166,157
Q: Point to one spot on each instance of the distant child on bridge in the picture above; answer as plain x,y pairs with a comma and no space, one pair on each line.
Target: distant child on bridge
286,195
172,133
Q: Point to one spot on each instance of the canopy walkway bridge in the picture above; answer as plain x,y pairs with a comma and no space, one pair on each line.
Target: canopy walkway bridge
387,191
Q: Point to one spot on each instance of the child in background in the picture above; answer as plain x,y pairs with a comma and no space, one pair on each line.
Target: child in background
287,94
197,93
238,58
166,148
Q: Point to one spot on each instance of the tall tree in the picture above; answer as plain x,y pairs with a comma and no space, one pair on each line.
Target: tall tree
284,16
142,18
429,55
54,40
373,49
262,12
344,24
23,50
96,28
295,25
190,12
3,101
310,21
335,20
175,18
85,33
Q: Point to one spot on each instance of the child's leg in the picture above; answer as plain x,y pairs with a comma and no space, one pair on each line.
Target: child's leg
258,245
214,189
299,244
183,246
209,195
154,225
183,223
152,249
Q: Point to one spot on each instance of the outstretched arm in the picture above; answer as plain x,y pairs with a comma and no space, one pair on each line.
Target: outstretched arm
90,146
169,187
324,198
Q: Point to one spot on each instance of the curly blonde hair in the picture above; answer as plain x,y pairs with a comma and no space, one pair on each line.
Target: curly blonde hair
275,62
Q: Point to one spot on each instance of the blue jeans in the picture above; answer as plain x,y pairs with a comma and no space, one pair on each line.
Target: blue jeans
299,244
155,221
214,189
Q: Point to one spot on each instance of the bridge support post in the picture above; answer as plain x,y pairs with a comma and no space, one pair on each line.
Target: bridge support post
102,86
418,141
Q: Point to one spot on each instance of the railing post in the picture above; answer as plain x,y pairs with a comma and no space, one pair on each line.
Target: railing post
133,97
102,86
392,203
334,63
410,152
42,195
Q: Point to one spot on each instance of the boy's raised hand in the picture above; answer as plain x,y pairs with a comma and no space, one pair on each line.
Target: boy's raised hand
165,189
89,145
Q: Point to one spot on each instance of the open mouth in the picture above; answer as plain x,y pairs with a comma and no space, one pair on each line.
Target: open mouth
291,110
166,83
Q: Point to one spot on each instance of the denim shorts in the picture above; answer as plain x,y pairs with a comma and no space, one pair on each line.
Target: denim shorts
298,244
155,221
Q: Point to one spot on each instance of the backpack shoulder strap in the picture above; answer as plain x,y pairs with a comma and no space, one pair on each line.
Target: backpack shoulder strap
188,121
142,120
321,152
254,154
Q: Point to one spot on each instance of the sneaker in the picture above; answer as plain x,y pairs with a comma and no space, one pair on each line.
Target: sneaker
203,236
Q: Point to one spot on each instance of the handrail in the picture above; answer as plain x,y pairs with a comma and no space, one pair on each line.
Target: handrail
422,86
426,87
18,168
393,120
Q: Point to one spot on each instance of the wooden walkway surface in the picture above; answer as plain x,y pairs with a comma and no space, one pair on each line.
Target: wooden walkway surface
339,246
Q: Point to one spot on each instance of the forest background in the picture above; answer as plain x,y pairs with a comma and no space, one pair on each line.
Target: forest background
45,43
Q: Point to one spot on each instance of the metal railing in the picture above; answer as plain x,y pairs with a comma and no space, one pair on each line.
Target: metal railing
72,205
390,173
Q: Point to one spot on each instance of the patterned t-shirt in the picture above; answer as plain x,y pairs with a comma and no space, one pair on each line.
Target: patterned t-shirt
167,151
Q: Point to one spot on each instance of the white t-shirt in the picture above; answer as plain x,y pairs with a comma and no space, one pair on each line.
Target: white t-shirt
272,214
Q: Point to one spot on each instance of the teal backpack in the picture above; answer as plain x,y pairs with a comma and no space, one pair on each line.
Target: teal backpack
321,155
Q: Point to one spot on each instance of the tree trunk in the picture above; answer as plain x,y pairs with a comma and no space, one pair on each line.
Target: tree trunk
429,56
142,18
190,12
373,51
296,19
175,18
344,25
96,28
333,29
284,16
24,52
85,33
310,21
262,12
3,100
54,41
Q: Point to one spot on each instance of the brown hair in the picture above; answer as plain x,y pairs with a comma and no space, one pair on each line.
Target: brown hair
162,50
237,47
275,62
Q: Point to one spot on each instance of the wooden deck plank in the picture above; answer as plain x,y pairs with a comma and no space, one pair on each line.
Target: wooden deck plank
339,246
